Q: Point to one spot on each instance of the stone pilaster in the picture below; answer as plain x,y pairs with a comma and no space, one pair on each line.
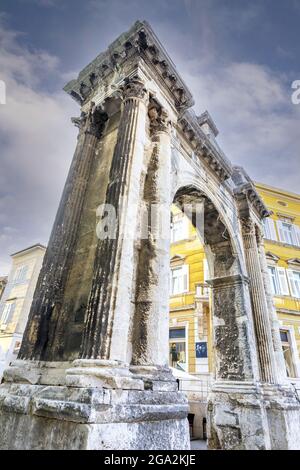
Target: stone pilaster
234,356
259,303
111,290
42,335
151,319
235,415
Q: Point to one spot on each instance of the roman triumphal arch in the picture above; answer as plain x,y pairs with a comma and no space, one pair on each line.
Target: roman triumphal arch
93,372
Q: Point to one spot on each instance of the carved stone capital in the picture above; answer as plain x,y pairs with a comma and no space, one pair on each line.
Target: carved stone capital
91,122
159,120
248,226
133,88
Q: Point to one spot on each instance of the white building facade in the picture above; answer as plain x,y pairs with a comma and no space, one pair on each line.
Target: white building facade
16,301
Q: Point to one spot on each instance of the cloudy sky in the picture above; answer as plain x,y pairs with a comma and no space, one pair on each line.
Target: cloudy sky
238,57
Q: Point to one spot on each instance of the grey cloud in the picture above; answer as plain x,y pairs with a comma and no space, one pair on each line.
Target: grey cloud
37,142
249,102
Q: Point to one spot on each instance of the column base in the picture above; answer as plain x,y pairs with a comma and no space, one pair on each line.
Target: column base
100,406
248,416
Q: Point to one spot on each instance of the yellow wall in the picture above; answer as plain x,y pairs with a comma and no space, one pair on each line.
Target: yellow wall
182,306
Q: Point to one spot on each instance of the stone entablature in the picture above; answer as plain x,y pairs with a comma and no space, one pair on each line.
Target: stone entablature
139,41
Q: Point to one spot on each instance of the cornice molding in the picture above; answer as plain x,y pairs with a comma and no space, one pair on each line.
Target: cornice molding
203,147
293,262
247,195
271,256
139,41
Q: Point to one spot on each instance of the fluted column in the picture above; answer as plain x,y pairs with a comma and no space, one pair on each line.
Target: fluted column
41,337
111,291
151,318
280,363
259,303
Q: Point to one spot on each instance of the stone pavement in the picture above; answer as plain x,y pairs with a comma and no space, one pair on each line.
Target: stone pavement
198,444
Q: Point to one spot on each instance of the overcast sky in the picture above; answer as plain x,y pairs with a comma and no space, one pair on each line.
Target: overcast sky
239,59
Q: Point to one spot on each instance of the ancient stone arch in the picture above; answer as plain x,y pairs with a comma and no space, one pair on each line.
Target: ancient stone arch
93,372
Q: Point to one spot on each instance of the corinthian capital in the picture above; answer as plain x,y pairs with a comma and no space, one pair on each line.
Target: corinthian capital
133,88
247,225
91,122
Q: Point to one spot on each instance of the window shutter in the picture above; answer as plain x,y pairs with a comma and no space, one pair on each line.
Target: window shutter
272,279
297,234
292,282
185,272
281,231
284,288
271,224
269,229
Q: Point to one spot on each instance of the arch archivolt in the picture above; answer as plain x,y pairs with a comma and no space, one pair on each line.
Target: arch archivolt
186,175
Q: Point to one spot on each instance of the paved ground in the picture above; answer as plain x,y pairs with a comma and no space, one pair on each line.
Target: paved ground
198,445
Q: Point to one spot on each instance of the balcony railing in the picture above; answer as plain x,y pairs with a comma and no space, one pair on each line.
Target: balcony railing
202,290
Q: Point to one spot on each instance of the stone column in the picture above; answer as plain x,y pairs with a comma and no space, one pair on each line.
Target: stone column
41,337
259,303
110,303
151,319
280,363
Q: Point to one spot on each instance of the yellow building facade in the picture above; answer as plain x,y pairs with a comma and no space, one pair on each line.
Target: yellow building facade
190,339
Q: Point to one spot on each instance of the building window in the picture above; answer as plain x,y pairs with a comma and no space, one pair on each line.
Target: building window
288,233
7,313
274,280
287,352
269,229
20,275
294,280
179,229
179,279
177,348
278,279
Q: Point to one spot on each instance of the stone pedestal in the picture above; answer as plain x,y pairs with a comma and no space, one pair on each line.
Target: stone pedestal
236,418
248,416
97,405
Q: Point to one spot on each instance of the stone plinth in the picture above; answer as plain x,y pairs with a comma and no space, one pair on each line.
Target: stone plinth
252,416
101,405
